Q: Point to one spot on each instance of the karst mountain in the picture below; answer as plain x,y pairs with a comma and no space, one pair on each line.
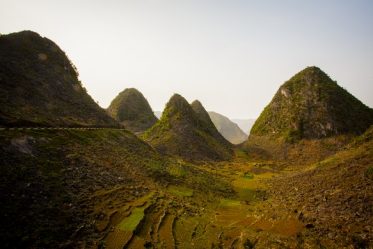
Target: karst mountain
40,86
186,133
311,105
131,109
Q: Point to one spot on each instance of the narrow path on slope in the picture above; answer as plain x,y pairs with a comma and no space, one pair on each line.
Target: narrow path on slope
58,128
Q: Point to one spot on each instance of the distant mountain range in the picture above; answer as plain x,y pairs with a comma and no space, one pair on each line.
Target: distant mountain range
230,130
244,124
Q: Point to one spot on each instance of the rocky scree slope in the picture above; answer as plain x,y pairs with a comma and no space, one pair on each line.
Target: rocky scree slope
334,197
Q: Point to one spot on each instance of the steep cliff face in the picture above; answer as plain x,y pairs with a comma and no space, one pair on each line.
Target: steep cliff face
311,105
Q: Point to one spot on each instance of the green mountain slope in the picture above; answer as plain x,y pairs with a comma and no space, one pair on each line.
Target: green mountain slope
132,110
182,132
311,105
227,128
39,86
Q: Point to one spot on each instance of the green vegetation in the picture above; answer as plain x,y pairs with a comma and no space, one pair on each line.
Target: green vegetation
132,110
251,195
176,170
55,173
134,199
248,175
68,188
40,86
180,191
229,203
67,178
183,132
130,223
369,172
311,105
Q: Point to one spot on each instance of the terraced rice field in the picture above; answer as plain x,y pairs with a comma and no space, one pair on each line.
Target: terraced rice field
170,217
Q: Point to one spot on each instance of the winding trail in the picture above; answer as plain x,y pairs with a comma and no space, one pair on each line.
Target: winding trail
58,128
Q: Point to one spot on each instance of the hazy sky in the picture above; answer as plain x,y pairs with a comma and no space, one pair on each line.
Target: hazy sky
231,55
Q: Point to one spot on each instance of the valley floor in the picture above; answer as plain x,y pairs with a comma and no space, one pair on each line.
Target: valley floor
169,203
258,215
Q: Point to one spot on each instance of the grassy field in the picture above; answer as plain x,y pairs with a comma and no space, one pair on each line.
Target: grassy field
130,223
181,191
